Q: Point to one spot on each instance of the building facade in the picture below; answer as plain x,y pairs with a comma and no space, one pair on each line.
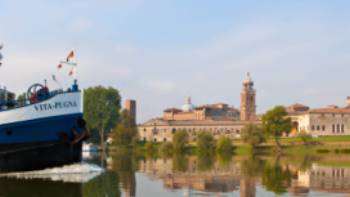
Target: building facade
219,118
331,120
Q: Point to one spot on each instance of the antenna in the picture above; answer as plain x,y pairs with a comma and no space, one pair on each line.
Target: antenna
1,46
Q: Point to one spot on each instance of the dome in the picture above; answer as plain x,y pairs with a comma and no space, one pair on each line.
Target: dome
187,107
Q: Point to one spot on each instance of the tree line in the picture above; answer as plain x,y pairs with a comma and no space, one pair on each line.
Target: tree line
102,111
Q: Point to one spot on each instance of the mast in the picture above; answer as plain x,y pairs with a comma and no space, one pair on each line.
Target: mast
1,46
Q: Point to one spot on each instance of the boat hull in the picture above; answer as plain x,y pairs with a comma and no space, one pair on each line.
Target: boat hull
37,156
41,135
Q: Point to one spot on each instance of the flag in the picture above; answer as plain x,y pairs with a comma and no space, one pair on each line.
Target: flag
71,72
70,56
59,66
54,78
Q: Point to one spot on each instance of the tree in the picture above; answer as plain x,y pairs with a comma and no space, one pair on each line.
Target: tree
205,142
125,131
166,149
101,110
275,123
180,140
252,134
224,145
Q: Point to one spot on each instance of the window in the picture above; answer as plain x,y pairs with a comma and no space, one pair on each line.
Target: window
318,127
155,140
173,130
144,139
333,128
323,128
342,128
164,140
338,128
144,130
312,127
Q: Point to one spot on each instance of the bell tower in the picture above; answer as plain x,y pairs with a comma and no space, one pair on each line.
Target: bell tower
248,107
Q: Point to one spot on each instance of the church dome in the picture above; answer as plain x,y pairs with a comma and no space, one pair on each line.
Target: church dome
187,107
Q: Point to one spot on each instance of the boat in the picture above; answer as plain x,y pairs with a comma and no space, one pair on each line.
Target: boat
44,130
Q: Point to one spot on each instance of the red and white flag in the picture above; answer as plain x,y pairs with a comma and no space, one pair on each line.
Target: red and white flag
70,56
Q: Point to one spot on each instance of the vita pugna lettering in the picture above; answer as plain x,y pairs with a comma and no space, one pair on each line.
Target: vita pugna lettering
56,105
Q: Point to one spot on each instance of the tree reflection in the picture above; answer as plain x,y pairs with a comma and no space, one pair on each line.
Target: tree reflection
105,185
125,165
276,178
205,162
180,162
252,167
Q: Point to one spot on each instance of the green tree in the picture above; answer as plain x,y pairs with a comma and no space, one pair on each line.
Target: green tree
224,145
205,142
166,149
180,139
101,110
253,135
276,123
125,131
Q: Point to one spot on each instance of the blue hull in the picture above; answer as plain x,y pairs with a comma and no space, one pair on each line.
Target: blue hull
39,144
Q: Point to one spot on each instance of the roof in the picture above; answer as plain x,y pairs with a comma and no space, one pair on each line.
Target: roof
162,122
173,110
330,110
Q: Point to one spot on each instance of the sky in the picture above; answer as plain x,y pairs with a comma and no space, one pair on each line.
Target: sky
158,52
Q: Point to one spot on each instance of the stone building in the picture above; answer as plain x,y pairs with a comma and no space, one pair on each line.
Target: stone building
219,118
330,120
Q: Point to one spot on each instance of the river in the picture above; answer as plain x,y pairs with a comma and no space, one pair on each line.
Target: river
124,174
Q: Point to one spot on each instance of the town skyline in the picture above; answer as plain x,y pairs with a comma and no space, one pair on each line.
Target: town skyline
297,51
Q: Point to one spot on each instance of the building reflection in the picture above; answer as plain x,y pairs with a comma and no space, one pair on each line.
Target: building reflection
243,175
324,179
199,176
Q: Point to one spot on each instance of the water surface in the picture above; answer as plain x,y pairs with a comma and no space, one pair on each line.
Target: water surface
128,175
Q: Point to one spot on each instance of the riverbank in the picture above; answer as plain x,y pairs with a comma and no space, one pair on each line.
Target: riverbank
326,145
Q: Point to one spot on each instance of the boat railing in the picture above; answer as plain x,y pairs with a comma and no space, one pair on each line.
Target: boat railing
13,104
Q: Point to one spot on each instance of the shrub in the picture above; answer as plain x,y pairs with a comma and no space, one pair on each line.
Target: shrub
180,140
322,151
205,142
305,138
224,145
253,135
149,147
166,148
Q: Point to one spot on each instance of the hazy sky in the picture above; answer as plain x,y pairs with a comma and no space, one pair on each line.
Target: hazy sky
160,51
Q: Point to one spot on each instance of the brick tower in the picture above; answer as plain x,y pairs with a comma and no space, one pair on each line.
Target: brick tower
248,107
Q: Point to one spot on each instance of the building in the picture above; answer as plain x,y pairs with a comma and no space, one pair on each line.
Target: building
219,118
248,107
330,120
130,106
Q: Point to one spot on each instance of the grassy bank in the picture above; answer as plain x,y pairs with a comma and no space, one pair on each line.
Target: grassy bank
337,145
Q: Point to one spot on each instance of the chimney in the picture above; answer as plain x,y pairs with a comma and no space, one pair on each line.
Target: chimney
348,100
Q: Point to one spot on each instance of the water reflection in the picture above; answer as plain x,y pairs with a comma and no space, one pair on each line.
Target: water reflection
104,185
129,175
